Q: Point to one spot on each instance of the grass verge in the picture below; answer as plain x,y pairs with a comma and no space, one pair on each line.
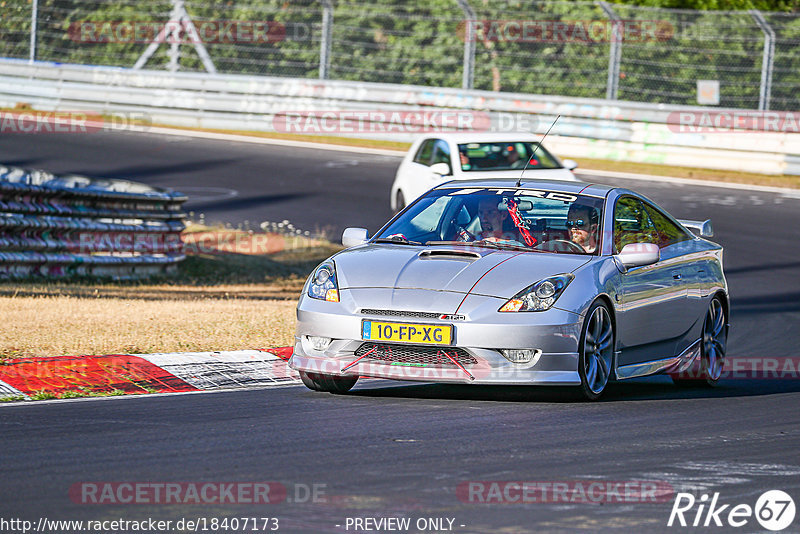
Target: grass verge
773,180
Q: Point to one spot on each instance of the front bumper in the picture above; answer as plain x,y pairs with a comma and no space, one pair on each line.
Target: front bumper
554,334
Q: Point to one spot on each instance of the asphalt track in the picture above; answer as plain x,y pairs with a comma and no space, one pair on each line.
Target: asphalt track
389,450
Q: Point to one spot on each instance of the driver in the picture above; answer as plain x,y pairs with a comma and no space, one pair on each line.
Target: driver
492,222
582,222
513,160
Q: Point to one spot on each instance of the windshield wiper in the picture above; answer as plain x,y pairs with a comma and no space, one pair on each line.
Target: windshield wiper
396,239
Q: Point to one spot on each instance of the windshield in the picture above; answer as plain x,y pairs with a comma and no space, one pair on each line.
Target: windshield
525,219
505,156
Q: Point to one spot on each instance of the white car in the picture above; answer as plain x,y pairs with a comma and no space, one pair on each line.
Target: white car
438,158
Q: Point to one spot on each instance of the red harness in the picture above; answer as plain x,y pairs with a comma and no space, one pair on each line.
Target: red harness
521,225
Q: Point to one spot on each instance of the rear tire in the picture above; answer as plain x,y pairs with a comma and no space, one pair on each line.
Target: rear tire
712,348
328,383
596,351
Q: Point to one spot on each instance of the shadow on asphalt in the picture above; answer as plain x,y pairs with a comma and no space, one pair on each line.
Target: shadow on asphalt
141,172
760,304
246,202
645,389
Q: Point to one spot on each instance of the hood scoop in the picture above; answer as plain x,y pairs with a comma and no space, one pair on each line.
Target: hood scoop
450,254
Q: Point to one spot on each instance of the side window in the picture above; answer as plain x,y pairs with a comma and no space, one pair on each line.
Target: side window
668,231
632,224
441,152
425,152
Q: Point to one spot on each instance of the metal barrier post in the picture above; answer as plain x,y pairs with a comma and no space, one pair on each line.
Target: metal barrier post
326,41
179,19
765,92
34,21
614,53
468,77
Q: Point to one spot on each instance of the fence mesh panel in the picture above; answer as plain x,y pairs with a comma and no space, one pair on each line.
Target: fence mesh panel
540,47
786,76
693,46
414,42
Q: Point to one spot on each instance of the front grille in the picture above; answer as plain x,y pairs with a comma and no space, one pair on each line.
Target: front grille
417,314
415,354
400,313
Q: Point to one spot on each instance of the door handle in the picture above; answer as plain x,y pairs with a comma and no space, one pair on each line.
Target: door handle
676,275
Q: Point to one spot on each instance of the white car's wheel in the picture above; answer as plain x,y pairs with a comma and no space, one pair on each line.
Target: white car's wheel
399,201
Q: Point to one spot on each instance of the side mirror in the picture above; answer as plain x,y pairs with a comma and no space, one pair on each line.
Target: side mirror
442,169
639,254
704,228
569,164
352,237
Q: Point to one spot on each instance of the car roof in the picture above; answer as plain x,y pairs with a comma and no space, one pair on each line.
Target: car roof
584,188
485,137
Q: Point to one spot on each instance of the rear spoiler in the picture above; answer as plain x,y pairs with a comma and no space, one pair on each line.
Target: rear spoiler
704,228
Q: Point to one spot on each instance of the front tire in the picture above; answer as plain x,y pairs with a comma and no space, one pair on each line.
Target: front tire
596,351
328,383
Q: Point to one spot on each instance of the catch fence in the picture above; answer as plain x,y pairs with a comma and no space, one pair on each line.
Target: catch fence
575,49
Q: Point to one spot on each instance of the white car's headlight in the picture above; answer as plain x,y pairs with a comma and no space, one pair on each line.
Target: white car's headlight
540,296
323,283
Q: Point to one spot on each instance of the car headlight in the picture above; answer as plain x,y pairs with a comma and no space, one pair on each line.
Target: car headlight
323,283
540,296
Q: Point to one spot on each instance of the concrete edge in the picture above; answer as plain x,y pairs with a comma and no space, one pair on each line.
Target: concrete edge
135,374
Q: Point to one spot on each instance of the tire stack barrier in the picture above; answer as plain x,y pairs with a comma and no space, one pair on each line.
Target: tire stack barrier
59,226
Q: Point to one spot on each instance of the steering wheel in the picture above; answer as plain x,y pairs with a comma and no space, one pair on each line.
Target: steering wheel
560,245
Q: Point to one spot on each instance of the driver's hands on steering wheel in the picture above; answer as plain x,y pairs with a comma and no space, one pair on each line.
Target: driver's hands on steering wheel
561,245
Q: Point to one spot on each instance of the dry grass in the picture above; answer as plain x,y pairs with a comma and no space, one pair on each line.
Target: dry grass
226,300
67,325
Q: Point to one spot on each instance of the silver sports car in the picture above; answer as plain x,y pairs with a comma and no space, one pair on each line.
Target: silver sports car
497,282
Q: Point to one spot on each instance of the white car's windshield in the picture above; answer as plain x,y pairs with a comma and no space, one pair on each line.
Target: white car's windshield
526,219
513,155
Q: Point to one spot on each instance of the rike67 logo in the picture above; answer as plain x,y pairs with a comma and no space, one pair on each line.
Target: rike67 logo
774,510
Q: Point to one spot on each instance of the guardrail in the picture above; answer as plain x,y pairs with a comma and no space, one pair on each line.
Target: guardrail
592,128
55,226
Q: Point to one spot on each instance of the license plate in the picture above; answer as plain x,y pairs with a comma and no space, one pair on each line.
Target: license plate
422,334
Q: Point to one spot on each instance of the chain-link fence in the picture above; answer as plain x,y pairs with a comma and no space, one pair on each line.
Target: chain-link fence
576,48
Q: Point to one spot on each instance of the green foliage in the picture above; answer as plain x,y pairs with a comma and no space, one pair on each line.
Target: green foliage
43,395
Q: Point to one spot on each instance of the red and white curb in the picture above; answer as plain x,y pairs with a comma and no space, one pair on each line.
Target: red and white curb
146,373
